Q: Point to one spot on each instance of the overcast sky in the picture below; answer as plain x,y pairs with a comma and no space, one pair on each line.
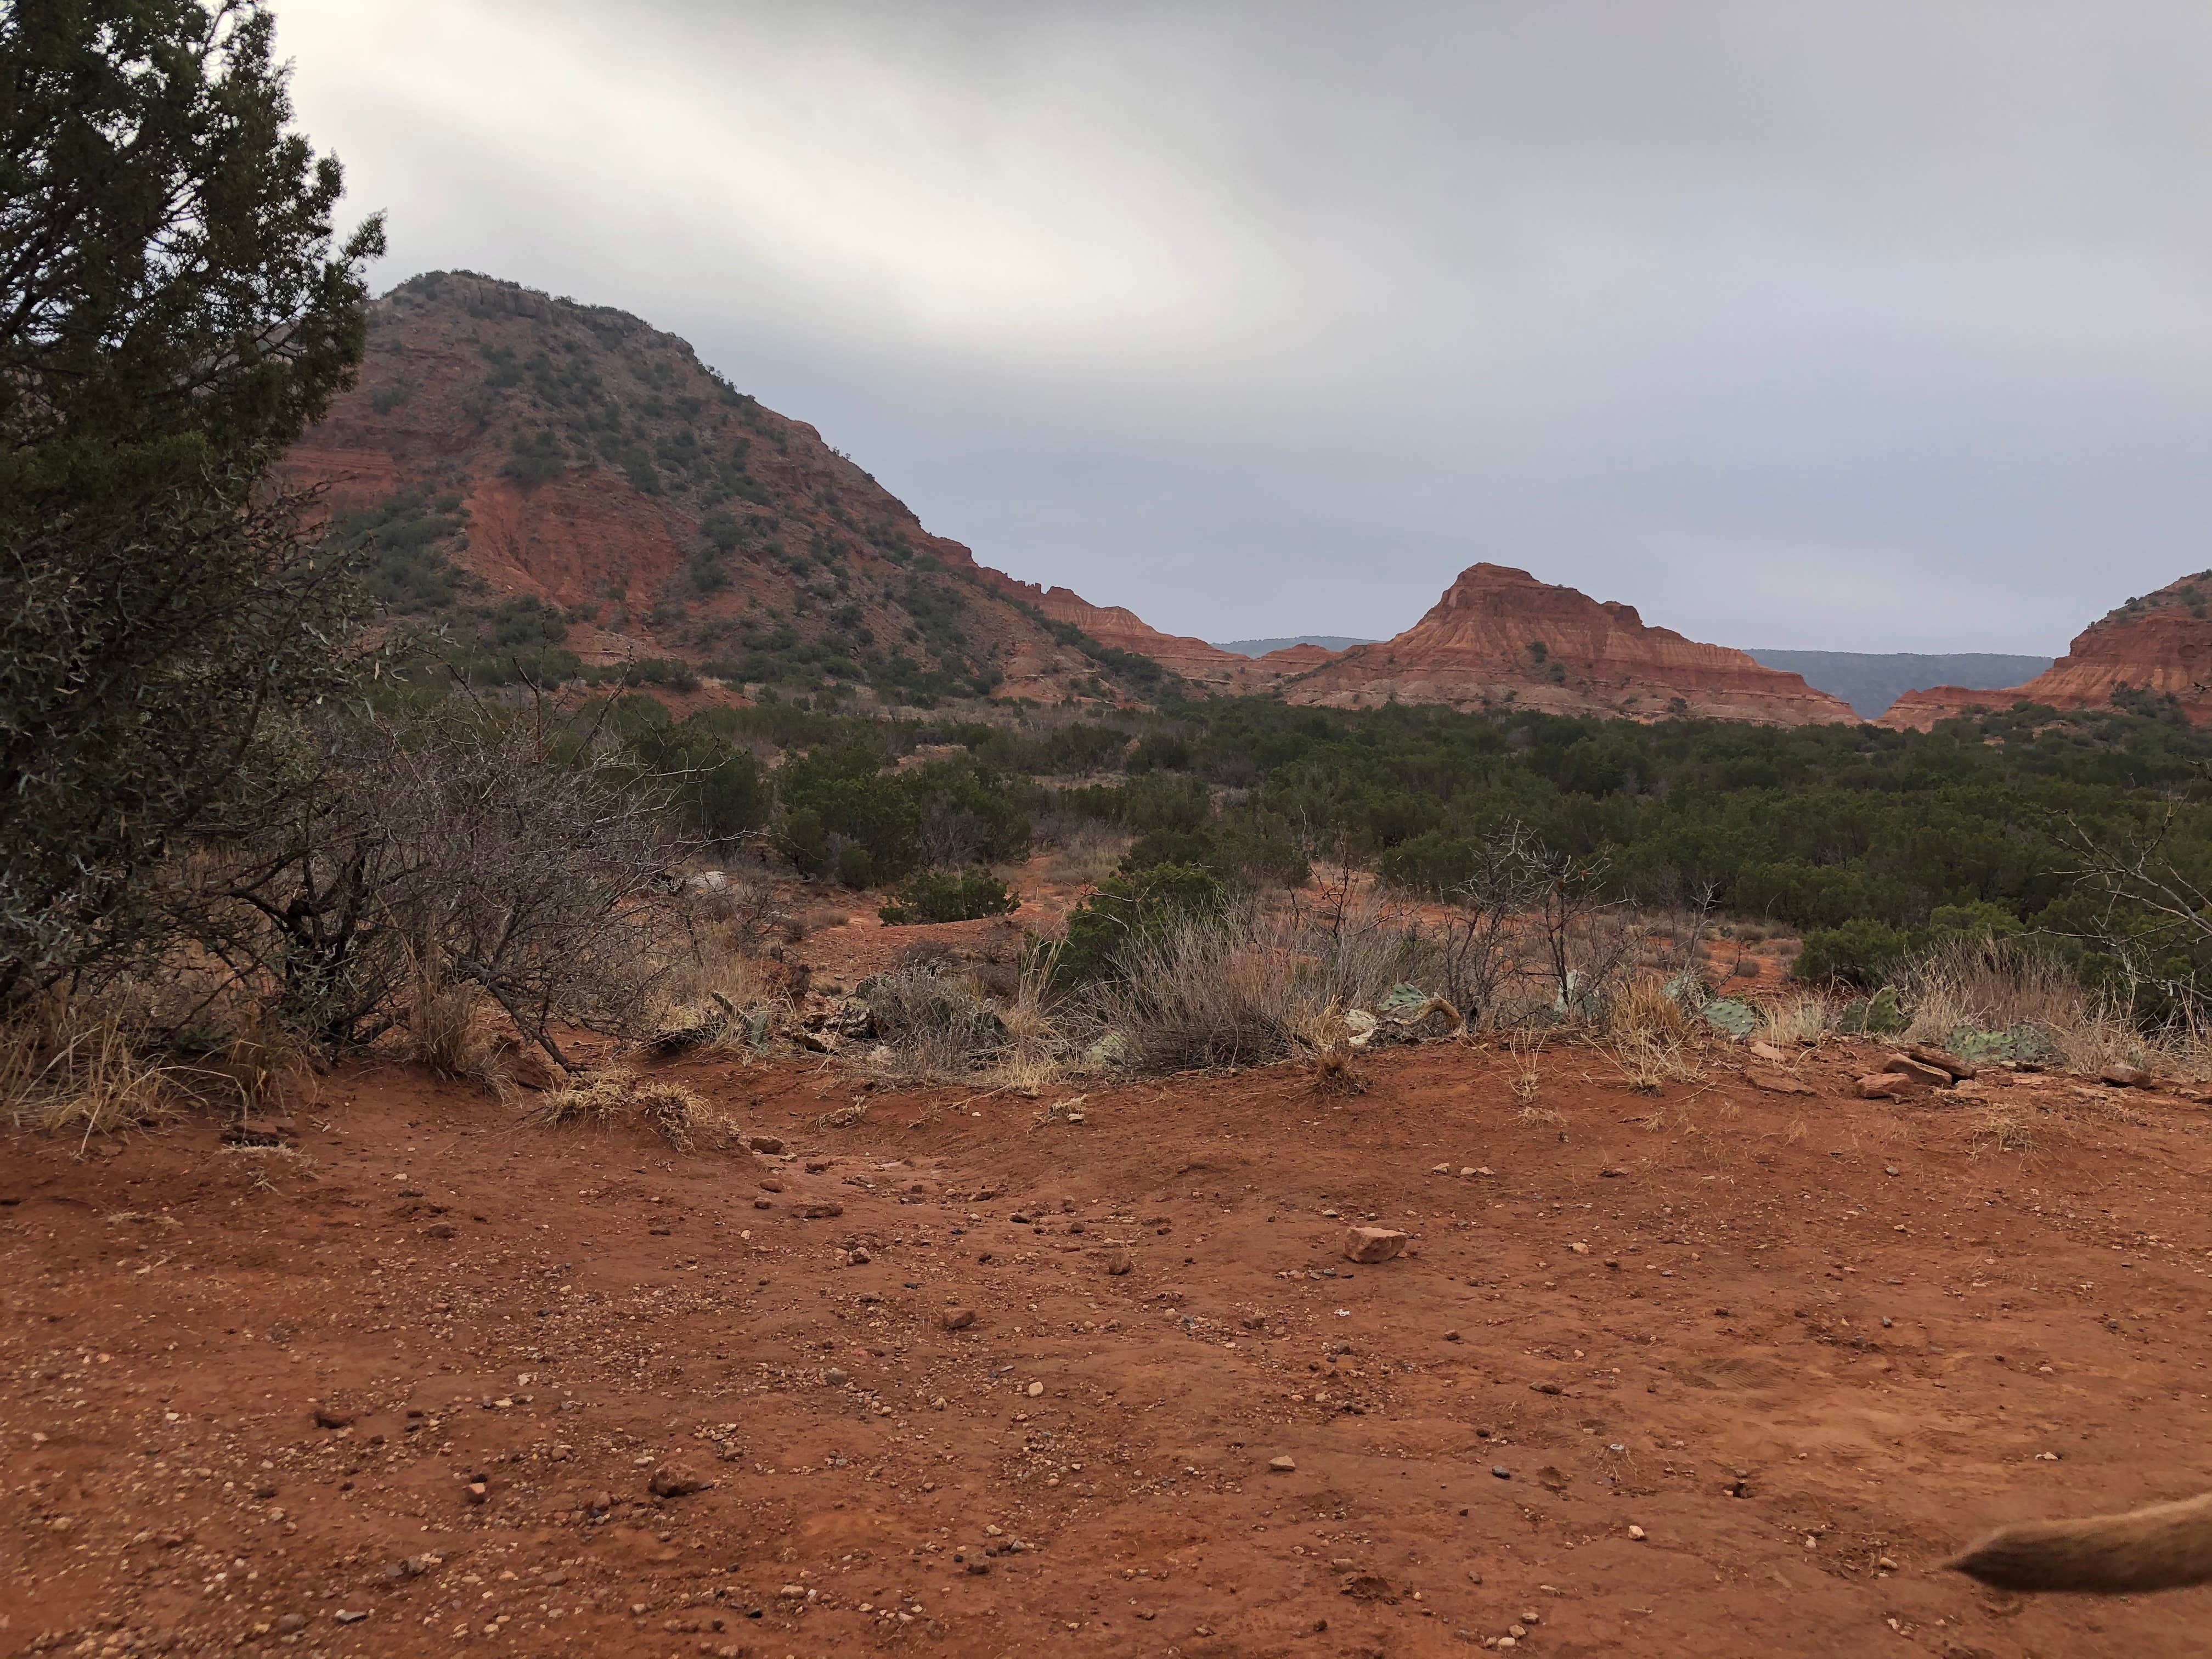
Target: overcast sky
1864,327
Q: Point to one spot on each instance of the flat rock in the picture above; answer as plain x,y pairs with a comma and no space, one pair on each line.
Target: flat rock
1777,1083
957,1318
1887,1085
1943,1060
2125,1077
1369,1244
1929,1076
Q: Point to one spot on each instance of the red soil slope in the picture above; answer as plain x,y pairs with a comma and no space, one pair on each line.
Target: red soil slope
1499,636
2160,644
1806,1346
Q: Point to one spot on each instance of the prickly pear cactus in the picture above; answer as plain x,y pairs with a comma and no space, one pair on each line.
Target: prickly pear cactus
1733,1018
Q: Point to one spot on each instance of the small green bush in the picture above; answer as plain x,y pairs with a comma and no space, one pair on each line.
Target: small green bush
1862,952
934,896
1140,905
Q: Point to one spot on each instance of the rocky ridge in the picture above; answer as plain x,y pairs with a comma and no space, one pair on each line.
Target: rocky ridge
1500,637
533,467
2158,645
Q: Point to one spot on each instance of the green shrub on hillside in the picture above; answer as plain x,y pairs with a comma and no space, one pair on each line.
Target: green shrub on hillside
934,896
1861,953
1141,905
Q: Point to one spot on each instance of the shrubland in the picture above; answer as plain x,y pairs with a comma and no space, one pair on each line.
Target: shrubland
276,784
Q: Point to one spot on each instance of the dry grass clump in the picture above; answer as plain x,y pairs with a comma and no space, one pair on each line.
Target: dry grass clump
1080,852
1650,1037
1041,1047
704,996
614,1097
1206,993
937,1027
1994,984
1327,1039
445,1021
1796,1020
2000,984
83,1068
1248,987
261,1068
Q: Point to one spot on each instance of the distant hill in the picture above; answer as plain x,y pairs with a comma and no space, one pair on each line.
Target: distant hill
571,489
1261,647
1870,681
1499,636
2156,647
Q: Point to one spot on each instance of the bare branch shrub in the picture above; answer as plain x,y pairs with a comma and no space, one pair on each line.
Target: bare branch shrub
465,841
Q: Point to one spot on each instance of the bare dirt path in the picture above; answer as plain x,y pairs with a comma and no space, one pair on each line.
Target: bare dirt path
1805,1345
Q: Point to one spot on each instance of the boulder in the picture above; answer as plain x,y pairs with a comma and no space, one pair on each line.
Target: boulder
1944,1060
1929,1076
1372,1244
676,1483
1888,1086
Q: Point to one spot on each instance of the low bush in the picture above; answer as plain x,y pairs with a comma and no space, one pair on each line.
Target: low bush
935,896
1861,953
1131,910
936,1026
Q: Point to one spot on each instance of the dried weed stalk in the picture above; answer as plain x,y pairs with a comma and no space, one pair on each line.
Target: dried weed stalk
614,1097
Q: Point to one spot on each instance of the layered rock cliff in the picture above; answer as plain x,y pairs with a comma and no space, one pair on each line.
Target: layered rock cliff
2158,645
1499,637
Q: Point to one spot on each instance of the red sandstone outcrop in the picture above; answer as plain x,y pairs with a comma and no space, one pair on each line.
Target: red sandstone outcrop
1500,637
1296,658
1124,629
2160,643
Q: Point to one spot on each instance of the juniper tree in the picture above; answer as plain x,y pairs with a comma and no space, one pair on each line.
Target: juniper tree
175,307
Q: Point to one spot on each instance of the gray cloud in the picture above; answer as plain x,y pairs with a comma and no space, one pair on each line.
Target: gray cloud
1869,327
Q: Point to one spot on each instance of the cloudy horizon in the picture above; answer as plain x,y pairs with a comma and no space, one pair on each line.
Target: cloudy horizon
1875,328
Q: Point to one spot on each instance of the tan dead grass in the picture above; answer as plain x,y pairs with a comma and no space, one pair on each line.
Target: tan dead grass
81,1067
1796,1017
1650,1038
1325,1038
1998,984
614,1097
450,1026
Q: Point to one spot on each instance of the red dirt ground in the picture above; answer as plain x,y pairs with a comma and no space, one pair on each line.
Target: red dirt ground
1792,1339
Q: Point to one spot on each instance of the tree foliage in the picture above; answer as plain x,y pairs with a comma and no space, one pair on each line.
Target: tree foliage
175,306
